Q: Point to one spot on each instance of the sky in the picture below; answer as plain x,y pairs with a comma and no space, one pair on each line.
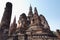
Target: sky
49,8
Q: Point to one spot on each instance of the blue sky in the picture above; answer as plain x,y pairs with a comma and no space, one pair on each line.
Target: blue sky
49,8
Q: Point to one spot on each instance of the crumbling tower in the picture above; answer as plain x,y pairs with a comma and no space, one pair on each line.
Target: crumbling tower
23,22
35,19
30,14
5,22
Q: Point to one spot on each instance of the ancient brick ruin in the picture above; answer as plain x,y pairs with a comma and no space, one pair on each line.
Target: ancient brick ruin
31,27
